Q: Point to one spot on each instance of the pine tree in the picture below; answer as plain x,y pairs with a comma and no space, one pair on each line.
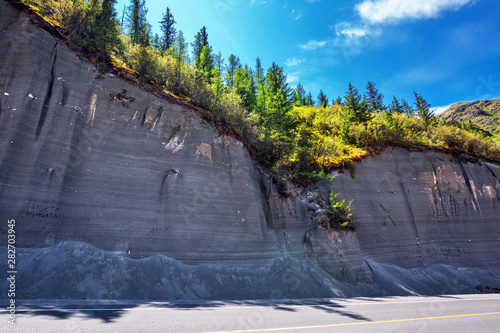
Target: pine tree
423,109
276,79
200,41
207,62
299,96
169,32
219,62
374,100
252,89
259,71
232,67
407,109
103,37
278,105
155,42
138,25
245,87
309,100
322,99
261,88
179,52
355,107
338,101
179,48
217,83
395,106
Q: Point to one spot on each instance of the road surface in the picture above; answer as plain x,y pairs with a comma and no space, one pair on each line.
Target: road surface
457,313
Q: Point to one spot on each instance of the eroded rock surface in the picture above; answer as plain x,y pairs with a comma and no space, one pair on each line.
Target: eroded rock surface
119,194
422,208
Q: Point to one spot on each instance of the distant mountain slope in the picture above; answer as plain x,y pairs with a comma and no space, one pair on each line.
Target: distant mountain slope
483,113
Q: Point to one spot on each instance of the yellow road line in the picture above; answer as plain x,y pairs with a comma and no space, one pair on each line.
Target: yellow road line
354,324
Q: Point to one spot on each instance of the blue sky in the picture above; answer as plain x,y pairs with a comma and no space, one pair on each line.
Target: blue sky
446,50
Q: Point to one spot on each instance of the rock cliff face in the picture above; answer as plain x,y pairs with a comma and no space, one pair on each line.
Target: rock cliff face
119,194
423,208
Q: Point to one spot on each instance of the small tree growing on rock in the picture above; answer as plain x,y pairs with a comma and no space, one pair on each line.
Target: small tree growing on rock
340,212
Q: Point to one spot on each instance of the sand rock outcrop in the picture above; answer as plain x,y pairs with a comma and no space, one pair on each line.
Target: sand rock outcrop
117,193
418,209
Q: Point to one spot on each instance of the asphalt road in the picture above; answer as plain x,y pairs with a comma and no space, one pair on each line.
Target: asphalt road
457,313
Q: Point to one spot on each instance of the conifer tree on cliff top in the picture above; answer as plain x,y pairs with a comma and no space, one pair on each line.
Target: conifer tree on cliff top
138,24
169,32
200,41
423,109
354,106
374,99
322,99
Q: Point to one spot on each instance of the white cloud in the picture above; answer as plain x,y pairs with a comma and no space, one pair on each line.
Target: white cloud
349,35
441,109
353,32
388,11
353,36
312,45
293,62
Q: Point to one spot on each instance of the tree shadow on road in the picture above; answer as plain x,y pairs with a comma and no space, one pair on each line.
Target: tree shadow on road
342,313
109,313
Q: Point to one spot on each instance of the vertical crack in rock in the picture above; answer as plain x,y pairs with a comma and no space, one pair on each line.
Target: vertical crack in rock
143,117
438,200
266,206
160,113
466,179
469,187
65,94
48,95
408,204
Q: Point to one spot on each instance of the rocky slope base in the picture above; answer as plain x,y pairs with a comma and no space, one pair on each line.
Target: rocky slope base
119,194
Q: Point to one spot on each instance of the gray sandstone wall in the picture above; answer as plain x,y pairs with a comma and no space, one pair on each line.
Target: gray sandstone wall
87,179
110,186
417,209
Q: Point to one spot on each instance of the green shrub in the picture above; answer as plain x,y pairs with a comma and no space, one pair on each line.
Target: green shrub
340,213
145,61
